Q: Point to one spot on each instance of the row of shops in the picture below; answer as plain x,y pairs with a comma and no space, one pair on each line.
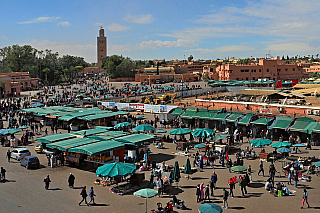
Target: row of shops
274,126
73,118
96,146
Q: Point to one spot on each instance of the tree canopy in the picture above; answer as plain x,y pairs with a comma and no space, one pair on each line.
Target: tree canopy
45,65
118,66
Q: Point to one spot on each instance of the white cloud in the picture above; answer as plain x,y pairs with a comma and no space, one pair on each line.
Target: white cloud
64,24
88,51
117,27
98,24
223,49
139,19
41,20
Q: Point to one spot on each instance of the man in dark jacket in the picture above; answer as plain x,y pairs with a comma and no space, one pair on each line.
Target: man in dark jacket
225,198
243,186
71,180
84,195
198,193
46,182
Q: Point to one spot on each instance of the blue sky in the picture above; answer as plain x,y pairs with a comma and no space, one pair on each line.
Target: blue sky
206,29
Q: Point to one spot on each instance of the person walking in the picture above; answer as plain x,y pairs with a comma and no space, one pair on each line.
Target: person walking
159,186
71,180
91,195
305,198
198,193
249,172
231,187
84,195
3,174
8,155
289,177
151,177
295,178
225,198
46,182
214,179
261,169
207,193
202,192
212,188
243,187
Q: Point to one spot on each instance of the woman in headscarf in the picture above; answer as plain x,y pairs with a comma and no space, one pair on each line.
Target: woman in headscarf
202,192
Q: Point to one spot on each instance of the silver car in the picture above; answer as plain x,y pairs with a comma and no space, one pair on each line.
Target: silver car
19,153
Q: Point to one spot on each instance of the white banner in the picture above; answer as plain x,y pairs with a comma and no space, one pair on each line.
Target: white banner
122,105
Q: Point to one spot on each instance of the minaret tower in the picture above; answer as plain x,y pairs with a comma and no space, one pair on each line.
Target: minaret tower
101,47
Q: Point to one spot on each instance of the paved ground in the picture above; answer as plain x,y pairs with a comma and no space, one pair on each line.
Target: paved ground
24,192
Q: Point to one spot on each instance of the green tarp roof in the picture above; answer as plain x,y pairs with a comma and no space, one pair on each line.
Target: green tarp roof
262,121
281,122
300,124
55,138
89,132
71,143
188,114
313,127
177,111
234,116
135,138
246,119
102,115
113,133
220,116
97,148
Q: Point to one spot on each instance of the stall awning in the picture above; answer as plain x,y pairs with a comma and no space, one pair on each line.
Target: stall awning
102,115
55,138
71,143
234,116
135,138
246,120
262,121
113,133
89,132
177,111
313,127
220,116
281,122
300,124
97,148
188,114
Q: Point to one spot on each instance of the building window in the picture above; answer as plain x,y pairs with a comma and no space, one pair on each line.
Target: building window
247,79
246,70
253,78
259,70
279,70
267,70
293,69
254,70
286,69
237,79
242,70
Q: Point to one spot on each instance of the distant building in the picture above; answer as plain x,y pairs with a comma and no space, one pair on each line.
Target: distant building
101,54
314,68
12,83
165,78
272,69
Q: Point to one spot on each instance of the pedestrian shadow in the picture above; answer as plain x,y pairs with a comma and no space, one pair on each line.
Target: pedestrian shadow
162,157
8,181
55,189
256,185
198,178
42,166
77,187
217,201
188,187
99,204
175,191
237,208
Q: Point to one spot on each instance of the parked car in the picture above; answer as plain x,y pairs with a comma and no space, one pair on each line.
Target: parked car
19,153
38,148
30,162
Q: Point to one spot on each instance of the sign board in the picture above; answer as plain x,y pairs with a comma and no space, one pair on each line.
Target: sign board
122,105
138,107
265,111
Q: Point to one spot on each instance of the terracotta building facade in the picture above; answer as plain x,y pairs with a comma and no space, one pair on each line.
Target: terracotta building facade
272,69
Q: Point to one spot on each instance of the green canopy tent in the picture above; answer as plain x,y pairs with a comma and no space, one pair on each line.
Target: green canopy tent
180,131
187,168
239,168
300,124
284,149
146,193
260,142
205,133
144,128
200,146
176,172
280,144
219,137
121,125
117,169
210,208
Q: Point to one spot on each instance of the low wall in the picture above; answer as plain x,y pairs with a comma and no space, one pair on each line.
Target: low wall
121,79
263,108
